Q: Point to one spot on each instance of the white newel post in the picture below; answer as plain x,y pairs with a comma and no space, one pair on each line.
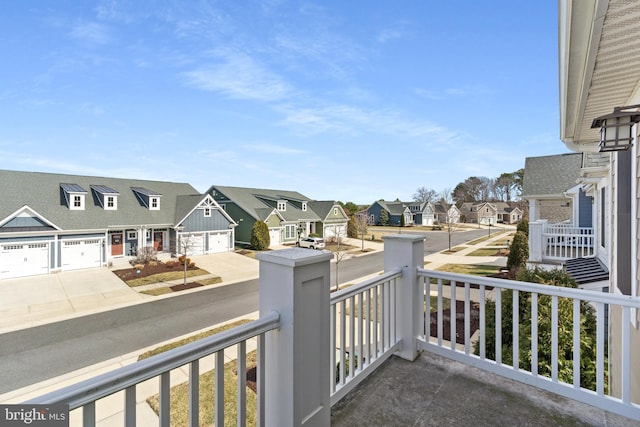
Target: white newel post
536,229
295,283
407,252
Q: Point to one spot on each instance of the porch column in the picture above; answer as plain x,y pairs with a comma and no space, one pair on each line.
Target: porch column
406,252
536,229
295,283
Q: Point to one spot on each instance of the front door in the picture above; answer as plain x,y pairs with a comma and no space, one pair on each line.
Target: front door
116,245
157,241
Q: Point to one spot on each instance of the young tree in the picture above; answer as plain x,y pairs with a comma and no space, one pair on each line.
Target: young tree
384,218
451,223
185,246
362,224
260,239
339,253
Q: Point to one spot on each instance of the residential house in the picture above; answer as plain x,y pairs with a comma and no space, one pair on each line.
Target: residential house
508,214
599,62
486,213
423,213
447,215
54,222
395,211
490,213
288,214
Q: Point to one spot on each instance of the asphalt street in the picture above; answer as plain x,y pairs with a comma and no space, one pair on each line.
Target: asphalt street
32,355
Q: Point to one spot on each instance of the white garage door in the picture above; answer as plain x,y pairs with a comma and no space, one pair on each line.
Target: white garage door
218,242
194,243
78,254
332,231
23,259
274,237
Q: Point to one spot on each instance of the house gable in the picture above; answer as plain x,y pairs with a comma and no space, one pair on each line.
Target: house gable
25,220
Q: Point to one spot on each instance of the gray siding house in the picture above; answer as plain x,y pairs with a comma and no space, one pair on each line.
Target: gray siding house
55,222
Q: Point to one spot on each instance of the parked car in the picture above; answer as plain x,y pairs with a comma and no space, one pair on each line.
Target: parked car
311,242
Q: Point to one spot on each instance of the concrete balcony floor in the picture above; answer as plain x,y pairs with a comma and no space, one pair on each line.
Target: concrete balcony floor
435,391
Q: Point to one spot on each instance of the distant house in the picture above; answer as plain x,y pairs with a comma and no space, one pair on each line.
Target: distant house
288,214
490,212
486,213
444,215
423,213
54,222
395,211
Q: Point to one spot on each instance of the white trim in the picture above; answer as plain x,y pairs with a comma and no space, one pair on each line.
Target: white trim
132,235
634,221
106,202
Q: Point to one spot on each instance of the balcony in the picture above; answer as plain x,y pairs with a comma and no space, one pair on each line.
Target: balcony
558,242
384,352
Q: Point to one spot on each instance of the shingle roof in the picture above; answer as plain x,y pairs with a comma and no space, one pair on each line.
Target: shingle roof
42,193
551,175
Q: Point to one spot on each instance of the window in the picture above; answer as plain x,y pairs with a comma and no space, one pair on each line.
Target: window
304,206
77,202
282,205
148,234
111,203
132,235
335,211
290,231
207,212
154,203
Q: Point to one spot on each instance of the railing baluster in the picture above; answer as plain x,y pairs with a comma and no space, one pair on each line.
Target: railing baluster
375,322
194,393
392,301
440,313
452,315
515,320
241,366
384,314
360,328
332,347
483,324
260,360
352,342
534,333
165,399
554,338
343,341
467,318
368,325
498,326
576,343
600,319
625,349
130,406
218,384
89,414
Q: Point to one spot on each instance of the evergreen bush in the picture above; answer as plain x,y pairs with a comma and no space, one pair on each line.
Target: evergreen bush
519,251
352,228
523,226
260,239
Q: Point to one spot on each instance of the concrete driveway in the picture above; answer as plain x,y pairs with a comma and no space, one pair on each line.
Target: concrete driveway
36,300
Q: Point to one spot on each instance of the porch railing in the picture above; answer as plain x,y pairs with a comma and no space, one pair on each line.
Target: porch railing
362,331
460,341
559,241
86,394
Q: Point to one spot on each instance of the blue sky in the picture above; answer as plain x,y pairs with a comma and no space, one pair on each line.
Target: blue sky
341,100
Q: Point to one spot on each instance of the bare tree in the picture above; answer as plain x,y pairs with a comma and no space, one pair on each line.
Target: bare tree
362,223
339,252
185,245
424,194
452,221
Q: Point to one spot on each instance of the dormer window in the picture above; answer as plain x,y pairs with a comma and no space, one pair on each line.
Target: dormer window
207,212
74,196
335,211
282,205
304,206
106,196
150,199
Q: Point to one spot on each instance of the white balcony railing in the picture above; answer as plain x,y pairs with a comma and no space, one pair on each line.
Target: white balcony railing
362,331
313,348
476,291
559,242
88,393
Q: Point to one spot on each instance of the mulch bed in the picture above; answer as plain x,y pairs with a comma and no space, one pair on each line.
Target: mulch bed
148,270
182,286
446,322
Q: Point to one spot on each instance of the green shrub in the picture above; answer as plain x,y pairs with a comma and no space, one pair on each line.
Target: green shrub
384,218
519,251
523,226
260,239
565,330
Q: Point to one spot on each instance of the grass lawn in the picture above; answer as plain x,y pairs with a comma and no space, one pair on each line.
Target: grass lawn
164,277
180,392
167,289
486,252
453,250
473,269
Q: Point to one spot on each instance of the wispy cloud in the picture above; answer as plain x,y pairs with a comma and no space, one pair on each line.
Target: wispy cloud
274,149
389,34
449,93
239,76
91,32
